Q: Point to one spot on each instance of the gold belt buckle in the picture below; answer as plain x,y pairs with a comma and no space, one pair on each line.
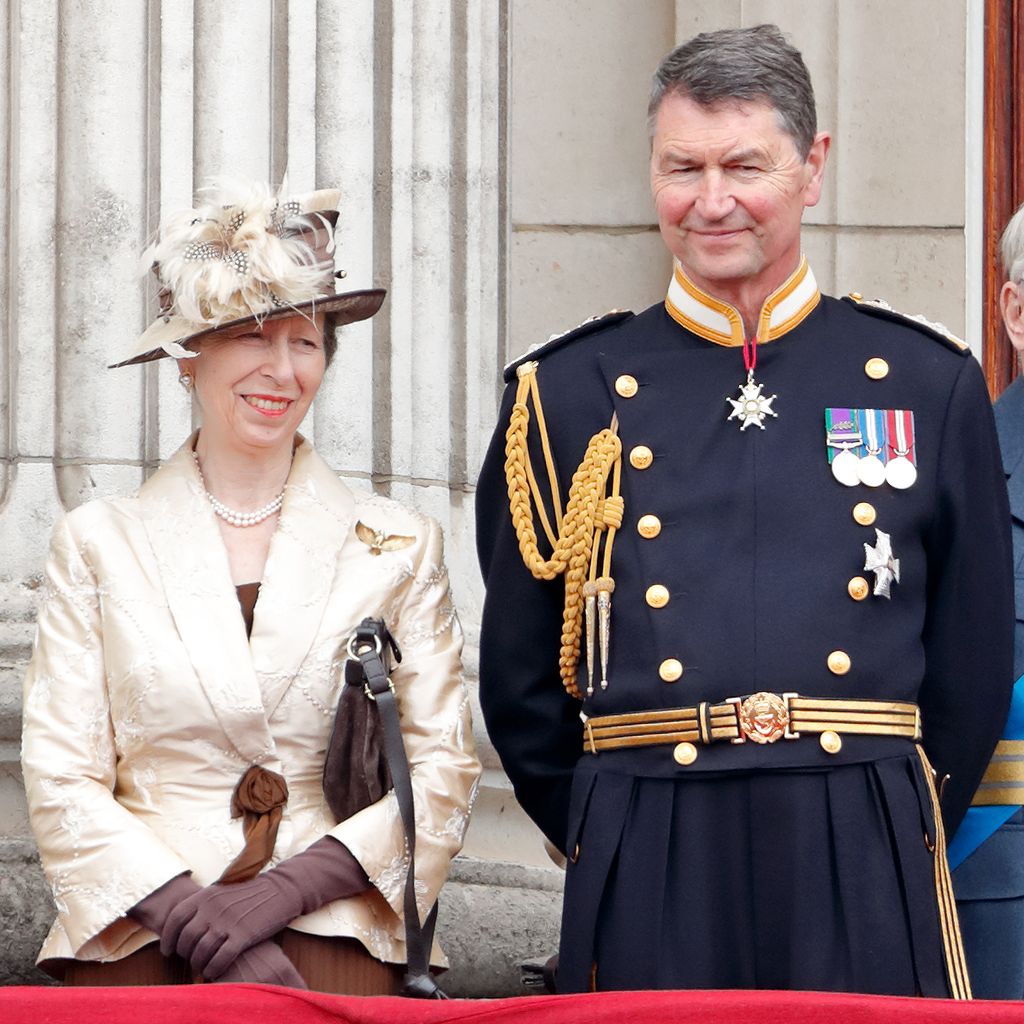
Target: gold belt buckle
763,717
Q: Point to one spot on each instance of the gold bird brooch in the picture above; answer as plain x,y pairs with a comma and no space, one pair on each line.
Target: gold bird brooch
377,541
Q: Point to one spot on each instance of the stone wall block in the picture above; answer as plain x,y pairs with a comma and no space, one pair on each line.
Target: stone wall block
170,187
819,246
171,418
100,200
912,270
422,240
499,824
579,150
901,113
233,89
693,16
26,522
34,280
491,919
345,157
295,45
6,365
560,279
26,912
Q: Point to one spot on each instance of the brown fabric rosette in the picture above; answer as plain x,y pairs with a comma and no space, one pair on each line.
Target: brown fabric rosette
259,799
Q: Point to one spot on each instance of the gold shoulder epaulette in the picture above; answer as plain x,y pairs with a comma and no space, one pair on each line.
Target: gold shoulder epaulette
589,326
575,536
879,307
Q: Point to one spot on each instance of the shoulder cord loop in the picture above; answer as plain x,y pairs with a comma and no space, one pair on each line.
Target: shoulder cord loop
589,512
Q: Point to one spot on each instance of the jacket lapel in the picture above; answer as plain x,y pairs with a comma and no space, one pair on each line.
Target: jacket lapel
316,519
193,567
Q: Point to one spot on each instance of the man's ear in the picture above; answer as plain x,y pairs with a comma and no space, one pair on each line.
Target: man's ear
815,162
1011,304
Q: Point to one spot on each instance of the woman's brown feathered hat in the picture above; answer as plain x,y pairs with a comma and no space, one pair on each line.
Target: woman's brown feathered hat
246,253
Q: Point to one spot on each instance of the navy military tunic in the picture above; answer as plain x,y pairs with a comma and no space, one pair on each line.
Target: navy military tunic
990,882
775,866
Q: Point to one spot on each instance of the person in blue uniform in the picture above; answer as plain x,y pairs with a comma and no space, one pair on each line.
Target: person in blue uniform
987,852
748,585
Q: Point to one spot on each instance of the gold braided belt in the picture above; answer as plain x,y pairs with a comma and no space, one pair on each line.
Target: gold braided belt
761,718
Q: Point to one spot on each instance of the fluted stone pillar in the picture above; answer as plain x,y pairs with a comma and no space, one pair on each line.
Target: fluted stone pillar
112,112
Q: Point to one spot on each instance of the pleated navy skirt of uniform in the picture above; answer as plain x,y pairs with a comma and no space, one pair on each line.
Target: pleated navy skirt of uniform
818,879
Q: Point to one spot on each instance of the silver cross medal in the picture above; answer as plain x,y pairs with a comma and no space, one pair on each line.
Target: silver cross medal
879,560
751,407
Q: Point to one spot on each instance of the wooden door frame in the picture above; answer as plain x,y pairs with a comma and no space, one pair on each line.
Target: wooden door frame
1003,171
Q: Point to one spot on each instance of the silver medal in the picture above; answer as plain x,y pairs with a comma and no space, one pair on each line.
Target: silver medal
845,468
900,473
879,559
871,470
751,407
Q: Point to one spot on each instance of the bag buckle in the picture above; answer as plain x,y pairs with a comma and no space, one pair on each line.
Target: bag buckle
369,693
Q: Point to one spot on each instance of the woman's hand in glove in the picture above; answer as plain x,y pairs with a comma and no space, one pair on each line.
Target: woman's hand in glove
264,963
212,927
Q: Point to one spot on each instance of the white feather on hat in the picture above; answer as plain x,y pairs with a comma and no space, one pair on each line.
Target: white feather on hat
245,252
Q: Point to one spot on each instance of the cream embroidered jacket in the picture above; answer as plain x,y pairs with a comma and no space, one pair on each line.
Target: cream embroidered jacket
144,701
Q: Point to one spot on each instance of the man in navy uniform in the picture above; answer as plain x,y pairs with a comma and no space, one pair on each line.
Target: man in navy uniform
748,583
987,852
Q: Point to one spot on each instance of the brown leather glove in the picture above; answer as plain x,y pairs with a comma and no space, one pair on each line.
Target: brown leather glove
212,928
151,912
264,963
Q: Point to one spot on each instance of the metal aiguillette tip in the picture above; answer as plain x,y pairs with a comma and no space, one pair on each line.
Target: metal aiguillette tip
590,608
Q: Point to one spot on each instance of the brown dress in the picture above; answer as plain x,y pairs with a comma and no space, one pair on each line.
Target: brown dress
326,963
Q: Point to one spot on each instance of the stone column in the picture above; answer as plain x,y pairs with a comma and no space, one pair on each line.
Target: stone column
112,112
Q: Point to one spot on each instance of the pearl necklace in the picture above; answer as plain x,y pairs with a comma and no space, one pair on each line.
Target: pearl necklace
229,515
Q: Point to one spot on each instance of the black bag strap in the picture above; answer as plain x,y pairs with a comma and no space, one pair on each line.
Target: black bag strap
368,644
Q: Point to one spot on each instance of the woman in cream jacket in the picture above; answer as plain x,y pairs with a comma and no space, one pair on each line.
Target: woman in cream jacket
146,701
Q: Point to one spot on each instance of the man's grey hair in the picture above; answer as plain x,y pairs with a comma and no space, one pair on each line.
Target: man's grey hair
1011,247
753,64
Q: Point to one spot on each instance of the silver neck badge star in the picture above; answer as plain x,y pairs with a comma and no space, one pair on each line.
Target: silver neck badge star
751,407
879,560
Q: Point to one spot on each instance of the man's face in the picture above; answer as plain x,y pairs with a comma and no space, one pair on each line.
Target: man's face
730,189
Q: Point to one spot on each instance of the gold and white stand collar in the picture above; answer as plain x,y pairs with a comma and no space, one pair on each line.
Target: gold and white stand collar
717,321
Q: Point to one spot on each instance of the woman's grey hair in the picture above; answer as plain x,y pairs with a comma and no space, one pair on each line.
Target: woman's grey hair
1011,247
330,339
755,64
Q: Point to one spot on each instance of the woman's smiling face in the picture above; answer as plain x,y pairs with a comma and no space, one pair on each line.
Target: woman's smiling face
254,384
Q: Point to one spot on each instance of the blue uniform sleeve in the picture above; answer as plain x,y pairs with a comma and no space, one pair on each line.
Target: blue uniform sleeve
968,630
531,720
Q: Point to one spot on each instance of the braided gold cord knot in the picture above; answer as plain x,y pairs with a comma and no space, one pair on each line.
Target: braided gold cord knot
610,512
587,511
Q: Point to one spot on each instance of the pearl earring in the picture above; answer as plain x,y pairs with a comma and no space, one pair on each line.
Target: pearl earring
186,380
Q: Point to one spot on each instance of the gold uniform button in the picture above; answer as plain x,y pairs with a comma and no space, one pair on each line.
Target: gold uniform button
876,368
641,457
670,670
839,663
626,386
864,513
858,588
575,855
648,526
657,596
684,753
831,742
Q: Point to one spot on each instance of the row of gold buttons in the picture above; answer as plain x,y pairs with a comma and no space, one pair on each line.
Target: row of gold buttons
649,526
858,588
